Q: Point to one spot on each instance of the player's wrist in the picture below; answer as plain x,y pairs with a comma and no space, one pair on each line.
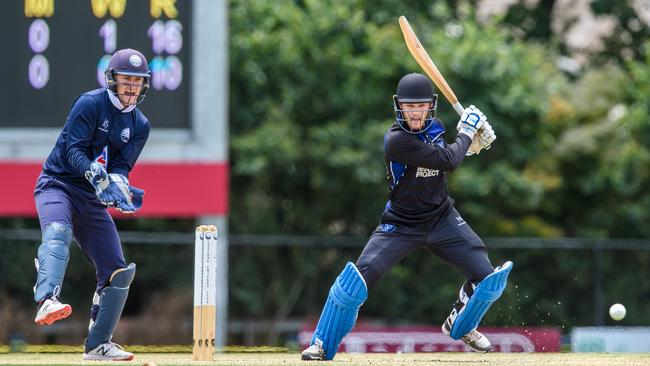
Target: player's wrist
467,132
97,176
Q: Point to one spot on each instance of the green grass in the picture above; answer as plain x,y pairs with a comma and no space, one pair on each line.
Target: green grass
58,348
404,359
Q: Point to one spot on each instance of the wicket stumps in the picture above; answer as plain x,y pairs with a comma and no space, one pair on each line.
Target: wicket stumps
205,292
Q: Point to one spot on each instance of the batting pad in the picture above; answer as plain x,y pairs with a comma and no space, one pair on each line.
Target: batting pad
347,294
487,292
53,256
111,303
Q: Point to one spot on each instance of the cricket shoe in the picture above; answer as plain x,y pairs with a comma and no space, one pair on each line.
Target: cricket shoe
473,339
315,352
51,310
108,351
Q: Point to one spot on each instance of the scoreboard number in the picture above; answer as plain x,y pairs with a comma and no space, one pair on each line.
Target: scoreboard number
68,45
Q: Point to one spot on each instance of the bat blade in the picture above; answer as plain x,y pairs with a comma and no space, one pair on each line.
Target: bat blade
422,58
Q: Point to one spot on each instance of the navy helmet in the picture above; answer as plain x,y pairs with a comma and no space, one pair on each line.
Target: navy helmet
415,88
128,62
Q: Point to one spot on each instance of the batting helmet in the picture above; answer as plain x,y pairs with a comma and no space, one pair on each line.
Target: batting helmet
414,88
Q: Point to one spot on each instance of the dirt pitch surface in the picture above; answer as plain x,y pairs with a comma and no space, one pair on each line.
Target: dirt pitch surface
405,359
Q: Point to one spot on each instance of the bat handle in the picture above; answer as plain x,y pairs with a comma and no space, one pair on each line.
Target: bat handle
458,108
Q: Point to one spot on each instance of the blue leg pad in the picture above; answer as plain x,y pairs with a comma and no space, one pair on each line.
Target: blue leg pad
111,302
53,256
339,314
485,293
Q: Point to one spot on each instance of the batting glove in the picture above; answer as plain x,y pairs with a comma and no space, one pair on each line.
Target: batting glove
471,121
482,140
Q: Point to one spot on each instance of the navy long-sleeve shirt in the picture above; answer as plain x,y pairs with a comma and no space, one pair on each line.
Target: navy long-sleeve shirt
96,130
416,166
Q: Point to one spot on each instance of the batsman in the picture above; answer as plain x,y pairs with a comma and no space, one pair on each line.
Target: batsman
86,172
419,214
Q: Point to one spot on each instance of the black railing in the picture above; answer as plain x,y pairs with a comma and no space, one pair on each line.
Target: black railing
597,246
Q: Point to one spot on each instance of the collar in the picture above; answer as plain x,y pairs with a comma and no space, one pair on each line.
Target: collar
117,104
433,132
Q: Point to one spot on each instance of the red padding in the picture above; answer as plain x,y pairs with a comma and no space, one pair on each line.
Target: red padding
172,189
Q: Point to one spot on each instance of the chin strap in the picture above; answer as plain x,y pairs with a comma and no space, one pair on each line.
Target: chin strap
117,104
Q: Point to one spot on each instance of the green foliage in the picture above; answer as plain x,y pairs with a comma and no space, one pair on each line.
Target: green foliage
603,155
627,23
311,100
311,87
310,103
630,32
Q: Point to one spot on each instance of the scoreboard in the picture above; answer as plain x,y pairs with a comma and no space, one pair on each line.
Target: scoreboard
53,51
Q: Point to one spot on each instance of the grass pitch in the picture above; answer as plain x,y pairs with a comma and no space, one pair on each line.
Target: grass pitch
404,359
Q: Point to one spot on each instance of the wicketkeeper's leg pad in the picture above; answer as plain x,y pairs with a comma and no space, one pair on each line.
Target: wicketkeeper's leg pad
339,315
111,303
52,260
485,293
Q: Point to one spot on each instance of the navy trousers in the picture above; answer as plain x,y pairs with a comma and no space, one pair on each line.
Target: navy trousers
92,226
450,238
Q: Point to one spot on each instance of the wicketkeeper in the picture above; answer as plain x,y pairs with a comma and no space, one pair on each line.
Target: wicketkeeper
86,172
419,213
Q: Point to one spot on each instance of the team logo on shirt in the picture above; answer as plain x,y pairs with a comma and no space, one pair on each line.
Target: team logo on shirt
104,126
125,134
426,172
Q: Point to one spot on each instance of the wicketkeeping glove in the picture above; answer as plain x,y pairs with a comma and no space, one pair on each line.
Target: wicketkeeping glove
97,177
113,190
120,194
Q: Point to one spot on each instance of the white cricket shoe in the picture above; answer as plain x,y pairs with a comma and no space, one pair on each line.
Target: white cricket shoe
473,339
108,351
315,352
477,341
51,310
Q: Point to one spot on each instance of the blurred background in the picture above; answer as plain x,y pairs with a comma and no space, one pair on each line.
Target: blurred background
268,120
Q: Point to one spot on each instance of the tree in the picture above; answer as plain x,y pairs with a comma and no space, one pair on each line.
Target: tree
311,98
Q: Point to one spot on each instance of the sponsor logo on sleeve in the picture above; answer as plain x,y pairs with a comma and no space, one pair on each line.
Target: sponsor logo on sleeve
387,228
460,221
104,126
